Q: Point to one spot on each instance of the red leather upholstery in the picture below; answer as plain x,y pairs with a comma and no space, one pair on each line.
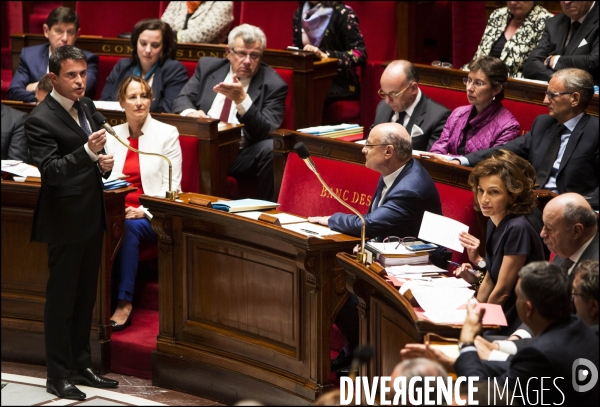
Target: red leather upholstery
457,203
468,25
446,97
342,111
288,76
106,63
102,18
274,18
190,175
302,194
190,67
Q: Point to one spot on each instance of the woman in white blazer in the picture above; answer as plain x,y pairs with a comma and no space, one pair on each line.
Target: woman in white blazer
150,174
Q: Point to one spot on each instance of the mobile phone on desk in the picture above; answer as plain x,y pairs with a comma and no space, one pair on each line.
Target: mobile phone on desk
291,48
421,247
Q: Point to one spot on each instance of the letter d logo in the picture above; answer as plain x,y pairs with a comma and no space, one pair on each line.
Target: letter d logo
581,375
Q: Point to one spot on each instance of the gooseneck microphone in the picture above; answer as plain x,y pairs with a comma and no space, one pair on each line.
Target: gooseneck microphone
101,121
303,153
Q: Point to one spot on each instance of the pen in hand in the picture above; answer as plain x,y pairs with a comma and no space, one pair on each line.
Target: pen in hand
470,270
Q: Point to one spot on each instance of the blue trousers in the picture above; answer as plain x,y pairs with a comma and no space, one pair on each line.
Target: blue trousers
125,267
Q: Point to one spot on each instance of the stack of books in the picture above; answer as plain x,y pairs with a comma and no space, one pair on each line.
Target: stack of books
387,254
348,132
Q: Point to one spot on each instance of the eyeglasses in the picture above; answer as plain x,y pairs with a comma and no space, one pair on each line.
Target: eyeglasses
373,145
477,83
255,56
392,95
552,95
441,64
400,240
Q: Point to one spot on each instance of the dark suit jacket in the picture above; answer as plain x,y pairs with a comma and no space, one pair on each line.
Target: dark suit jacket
412,193
70,206
584,57
578,170
267,91
166,85
33,65
551,354
428,115
14,142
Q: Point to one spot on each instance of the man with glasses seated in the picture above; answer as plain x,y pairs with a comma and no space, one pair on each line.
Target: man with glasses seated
404,103
562,146
404,192
240,89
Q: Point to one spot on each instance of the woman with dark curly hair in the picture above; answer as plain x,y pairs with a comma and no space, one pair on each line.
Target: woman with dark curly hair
503,188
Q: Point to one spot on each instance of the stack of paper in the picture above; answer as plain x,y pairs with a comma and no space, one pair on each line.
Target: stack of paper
392,254
244,205
337,131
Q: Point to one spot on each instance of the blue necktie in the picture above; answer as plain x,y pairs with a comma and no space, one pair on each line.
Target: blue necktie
82,119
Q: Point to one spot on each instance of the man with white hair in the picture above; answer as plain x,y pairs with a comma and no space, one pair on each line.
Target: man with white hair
240,89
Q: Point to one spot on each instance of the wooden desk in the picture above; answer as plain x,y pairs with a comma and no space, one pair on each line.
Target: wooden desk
217,147
387,319
245,307
312,78
25,273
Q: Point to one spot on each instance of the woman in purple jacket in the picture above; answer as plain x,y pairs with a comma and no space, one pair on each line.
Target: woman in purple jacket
485,123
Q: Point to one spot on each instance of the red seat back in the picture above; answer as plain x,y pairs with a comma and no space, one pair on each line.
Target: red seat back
190,172
524,112
450,98
457,203
288,76
106,63
278,30
302,194
190,67
100,18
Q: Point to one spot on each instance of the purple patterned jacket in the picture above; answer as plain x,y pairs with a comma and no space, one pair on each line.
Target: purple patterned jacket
492,127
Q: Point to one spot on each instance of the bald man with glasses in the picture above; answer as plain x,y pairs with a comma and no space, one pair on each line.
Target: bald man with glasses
562,146
404,103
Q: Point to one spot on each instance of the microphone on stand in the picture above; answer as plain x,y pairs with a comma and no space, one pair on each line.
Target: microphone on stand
361,355
101,121
303,153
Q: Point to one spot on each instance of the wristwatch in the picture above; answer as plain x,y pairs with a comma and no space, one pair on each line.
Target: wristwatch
464,344
481,265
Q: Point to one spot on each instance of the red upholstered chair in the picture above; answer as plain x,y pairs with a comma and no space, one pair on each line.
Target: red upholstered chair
457,203
446,97
237,190
524,112
106,63
278,30
190,175
116,18
380,39
302,194
39,15
190,67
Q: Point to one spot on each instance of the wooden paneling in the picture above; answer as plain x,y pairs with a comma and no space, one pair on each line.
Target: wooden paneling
312,78
244,301
25,273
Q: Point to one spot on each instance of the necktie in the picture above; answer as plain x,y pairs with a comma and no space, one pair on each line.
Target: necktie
82,120
550,157
225,112
566,265
574,27
401,116
382,196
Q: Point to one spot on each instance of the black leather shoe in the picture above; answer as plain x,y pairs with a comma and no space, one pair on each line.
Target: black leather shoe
90,378
65,389
119,327
341,360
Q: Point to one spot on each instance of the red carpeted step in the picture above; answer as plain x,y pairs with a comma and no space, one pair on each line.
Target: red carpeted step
146,295
131,349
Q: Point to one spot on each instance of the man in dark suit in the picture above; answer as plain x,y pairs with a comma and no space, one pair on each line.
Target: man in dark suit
404,103
562,344
240,89
70,217
562,146
14,142
570,40
405,191
61,28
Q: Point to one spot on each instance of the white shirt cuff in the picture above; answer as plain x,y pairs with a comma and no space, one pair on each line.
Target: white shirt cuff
463,161
243,107
507,347
470,348
186,112
556,57
522,333
497,355
93,156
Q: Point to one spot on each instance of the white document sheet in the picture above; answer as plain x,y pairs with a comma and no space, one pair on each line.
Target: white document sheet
107,105
20,169
310,229
284,218
442,230
451,317
437,298
413,269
